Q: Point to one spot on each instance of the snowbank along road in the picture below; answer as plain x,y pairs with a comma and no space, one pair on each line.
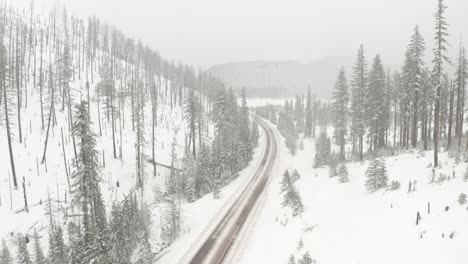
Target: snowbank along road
225,235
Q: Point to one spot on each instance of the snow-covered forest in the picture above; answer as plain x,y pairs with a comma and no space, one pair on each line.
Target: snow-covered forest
112,152
103,141
378,171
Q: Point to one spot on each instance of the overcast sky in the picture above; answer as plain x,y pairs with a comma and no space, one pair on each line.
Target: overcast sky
207,32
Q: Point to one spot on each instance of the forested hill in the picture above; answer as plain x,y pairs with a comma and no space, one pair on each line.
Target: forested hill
87,115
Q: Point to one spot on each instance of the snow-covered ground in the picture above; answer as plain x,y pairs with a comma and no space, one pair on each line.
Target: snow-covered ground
343,223
199,216
50,178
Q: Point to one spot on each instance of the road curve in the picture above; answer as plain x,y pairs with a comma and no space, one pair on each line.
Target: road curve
215,248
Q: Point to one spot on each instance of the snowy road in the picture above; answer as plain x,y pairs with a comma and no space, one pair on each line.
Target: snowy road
225,235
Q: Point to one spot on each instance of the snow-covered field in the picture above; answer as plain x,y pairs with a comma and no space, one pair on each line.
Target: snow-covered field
343,223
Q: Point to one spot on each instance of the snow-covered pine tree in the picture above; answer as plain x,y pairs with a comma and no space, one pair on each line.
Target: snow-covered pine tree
5,256
192,110
120,249
358,101
440,50
203,173
75,242
322,150
299,114
255,134
292,260
340,101
87,191
57,248
376,104
22,253
285,181
140,140
39,257
414,77
292,199
376,175
308,115
306,259
245,137
343,173
461,76
188,176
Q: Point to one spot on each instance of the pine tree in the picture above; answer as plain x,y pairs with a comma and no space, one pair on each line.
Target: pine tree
340,110
5,257
291,197
286,180
39,257
120,249
299,114
57,247
440,57
140,140
291,260
308,115
255,134
343,173
306,259
414,77
358,92
86,189
22,254
245,137
192,111
322,150
461,76
376,104
376,175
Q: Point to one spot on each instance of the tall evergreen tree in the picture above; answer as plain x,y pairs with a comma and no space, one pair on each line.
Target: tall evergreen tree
340,110
376,104
440,57
358,95
308,115
86,189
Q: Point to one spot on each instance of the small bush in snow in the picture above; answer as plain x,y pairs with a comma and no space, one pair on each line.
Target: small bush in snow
292,260
394,185
462,199
376,175
343,173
